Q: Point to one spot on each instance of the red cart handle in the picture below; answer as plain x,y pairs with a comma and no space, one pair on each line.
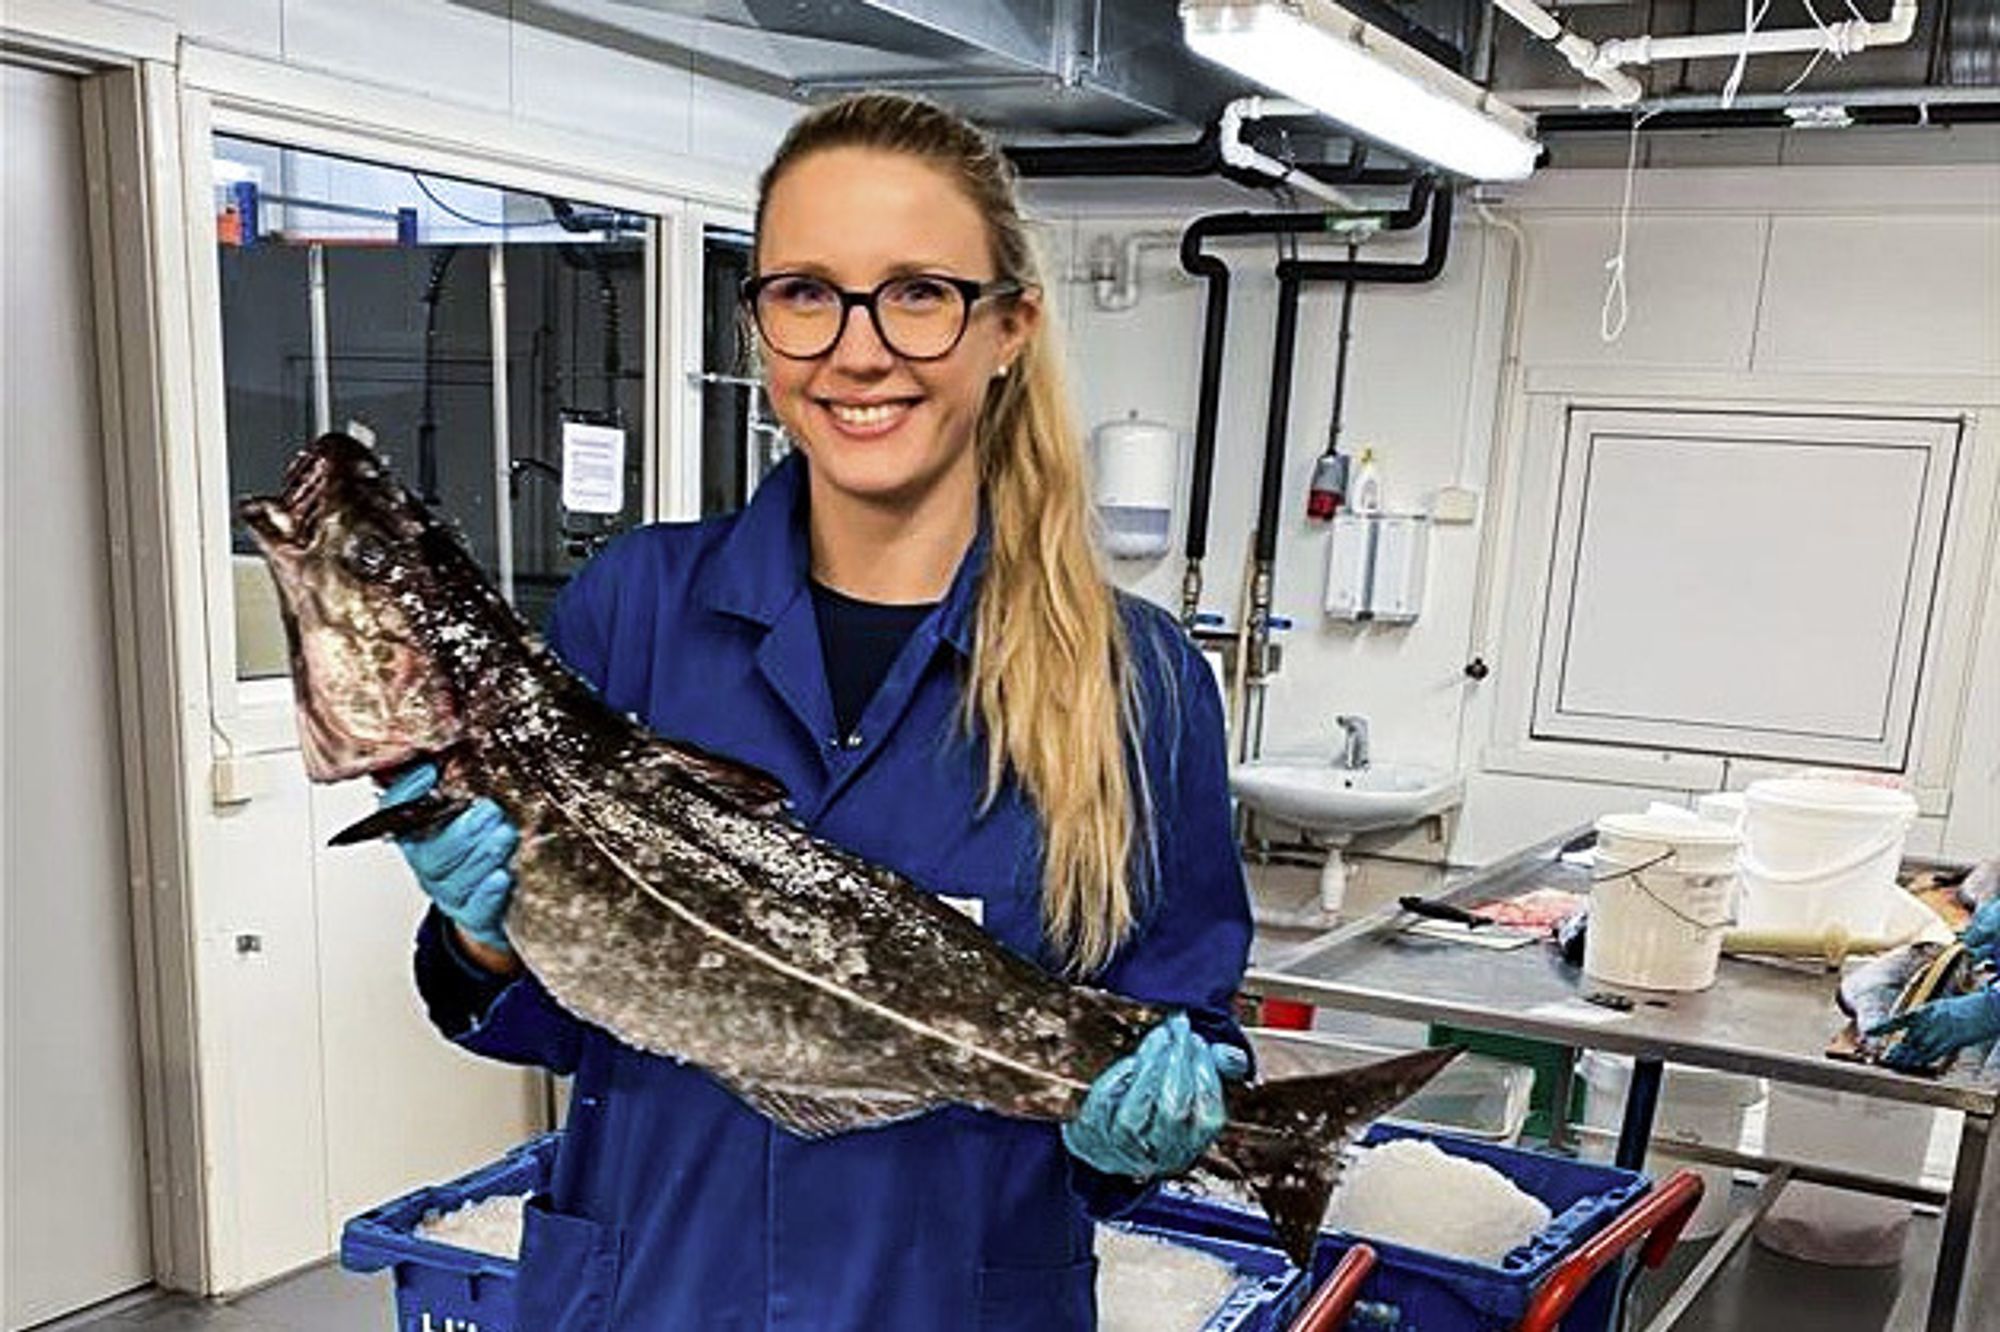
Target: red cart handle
1328,1309
1657,1220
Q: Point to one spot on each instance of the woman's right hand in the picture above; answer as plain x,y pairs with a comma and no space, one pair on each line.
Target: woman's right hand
463,867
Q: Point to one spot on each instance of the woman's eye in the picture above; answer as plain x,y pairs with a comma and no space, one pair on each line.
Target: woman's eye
918,293
801,293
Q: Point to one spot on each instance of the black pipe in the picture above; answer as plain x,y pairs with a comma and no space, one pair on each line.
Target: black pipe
1215,274
1277,420
1201,156
1340,359
1940,113
1369,270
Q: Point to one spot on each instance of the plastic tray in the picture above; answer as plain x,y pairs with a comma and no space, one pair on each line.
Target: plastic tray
1414,1288
440,1288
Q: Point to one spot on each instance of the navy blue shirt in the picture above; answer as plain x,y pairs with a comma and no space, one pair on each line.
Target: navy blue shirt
860,641
673,1205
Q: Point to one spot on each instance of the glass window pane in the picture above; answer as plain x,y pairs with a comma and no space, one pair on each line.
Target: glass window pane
354,292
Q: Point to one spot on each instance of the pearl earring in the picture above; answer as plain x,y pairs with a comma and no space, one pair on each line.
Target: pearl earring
1001,373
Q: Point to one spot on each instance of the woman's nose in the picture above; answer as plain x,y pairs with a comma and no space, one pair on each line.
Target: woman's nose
860,346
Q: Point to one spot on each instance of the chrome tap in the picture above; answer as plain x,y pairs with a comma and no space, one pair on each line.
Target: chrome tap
1354,742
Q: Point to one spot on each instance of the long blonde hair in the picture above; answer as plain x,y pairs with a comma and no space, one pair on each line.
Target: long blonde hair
1051,687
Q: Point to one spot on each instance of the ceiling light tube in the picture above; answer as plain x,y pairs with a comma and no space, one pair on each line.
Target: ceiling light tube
1320,54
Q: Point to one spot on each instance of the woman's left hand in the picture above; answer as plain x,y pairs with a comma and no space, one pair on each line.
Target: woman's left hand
1155,1111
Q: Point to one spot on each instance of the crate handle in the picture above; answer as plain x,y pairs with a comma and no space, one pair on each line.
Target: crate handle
1657,1220
1328,1309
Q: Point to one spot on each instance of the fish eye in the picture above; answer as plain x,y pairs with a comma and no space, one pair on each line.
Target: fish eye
366,556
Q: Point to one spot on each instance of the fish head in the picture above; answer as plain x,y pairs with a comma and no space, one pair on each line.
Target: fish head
360,571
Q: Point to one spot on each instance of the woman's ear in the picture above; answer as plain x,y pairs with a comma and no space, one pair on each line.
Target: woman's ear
1019,318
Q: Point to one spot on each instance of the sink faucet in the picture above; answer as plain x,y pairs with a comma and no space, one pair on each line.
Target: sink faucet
1354,741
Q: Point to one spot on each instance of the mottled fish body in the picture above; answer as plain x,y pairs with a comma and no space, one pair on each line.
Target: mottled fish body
663,893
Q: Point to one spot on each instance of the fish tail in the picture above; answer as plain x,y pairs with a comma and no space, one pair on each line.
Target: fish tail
1284,1138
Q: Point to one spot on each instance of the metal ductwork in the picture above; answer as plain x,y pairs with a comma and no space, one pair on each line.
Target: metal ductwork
1107,67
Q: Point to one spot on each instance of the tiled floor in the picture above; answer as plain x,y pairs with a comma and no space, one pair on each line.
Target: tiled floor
1758,1289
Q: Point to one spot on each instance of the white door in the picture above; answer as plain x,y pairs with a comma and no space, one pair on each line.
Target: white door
75,1220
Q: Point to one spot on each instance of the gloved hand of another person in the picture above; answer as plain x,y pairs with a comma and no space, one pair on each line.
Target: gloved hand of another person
1934,1031
1982,936
463,865
1154,1111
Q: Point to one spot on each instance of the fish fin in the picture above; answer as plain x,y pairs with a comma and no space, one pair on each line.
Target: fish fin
427,811
819,1114
1284,1138
750,789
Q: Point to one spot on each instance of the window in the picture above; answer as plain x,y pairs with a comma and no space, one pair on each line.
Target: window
470,327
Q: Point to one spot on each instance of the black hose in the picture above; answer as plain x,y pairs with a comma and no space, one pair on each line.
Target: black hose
427,425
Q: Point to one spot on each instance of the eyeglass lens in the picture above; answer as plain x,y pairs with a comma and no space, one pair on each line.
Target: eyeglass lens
918,317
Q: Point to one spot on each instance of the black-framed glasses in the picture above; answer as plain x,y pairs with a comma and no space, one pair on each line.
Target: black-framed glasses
918,316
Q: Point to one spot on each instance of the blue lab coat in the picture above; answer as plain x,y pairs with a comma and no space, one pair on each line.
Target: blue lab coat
673,1205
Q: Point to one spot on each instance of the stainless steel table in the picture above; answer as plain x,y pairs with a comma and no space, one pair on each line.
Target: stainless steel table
1758,1019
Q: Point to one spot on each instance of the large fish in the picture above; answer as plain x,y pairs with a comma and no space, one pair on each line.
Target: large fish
663,893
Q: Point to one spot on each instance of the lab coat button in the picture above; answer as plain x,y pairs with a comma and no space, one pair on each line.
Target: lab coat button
853,740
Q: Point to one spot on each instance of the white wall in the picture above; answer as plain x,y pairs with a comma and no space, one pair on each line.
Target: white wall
1739,280
475,59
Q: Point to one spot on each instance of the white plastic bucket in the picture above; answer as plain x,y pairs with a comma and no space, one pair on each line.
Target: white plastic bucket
1870,1136
1697,1105
1819,853
1659,901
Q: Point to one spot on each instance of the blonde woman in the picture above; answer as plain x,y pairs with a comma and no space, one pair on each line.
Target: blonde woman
908,627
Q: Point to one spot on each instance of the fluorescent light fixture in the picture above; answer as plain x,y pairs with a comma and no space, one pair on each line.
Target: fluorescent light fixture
1318,53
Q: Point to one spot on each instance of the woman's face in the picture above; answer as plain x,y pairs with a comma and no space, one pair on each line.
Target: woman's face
876,426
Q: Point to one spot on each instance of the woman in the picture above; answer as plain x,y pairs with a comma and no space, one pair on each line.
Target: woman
908,628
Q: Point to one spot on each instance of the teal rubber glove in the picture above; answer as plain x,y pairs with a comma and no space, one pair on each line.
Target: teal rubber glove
1935,1031
462,866
1153,1112
1982,936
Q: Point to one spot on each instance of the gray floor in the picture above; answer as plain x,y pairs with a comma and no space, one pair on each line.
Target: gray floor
1758,1289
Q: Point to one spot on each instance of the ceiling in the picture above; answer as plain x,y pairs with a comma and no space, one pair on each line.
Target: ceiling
1050,70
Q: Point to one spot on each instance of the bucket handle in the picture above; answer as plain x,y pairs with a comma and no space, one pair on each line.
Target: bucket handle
1635,871
1328,1309
1657,1220
1758,869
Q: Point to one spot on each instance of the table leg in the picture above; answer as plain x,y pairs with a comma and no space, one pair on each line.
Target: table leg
1642,1098
1561,1092
1958,1216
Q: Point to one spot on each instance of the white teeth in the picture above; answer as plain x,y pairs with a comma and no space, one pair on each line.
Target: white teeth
872,414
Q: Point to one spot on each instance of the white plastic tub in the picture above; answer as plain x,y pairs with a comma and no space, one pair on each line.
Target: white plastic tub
1819,852
1660,901
1697,1105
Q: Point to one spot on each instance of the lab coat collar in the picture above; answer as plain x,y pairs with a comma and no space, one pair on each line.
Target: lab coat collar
766,560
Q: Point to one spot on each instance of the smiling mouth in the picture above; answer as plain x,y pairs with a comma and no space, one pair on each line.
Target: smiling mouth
867,415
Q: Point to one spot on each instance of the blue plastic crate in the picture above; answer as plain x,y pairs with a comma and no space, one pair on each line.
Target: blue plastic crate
440,1288
444,1289
1412,1289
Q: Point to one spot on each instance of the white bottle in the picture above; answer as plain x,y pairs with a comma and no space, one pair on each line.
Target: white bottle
1364,495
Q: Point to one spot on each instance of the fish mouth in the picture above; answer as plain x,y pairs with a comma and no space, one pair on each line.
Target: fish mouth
368,697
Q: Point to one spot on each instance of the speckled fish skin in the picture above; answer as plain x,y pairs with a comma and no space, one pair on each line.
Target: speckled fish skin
663,894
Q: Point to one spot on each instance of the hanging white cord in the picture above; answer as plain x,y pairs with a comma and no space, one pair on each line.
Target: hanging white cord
1842,40
1753,14
1611,318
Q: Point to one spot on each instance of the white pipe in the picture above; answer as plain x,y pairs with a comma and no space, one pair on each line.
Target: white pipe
1240,154
503,450
1114,266
322,345
1841,39
1583,54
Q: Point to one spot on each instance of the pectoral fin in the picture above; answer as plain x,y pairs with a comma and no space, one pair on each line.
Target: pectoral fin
426,812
